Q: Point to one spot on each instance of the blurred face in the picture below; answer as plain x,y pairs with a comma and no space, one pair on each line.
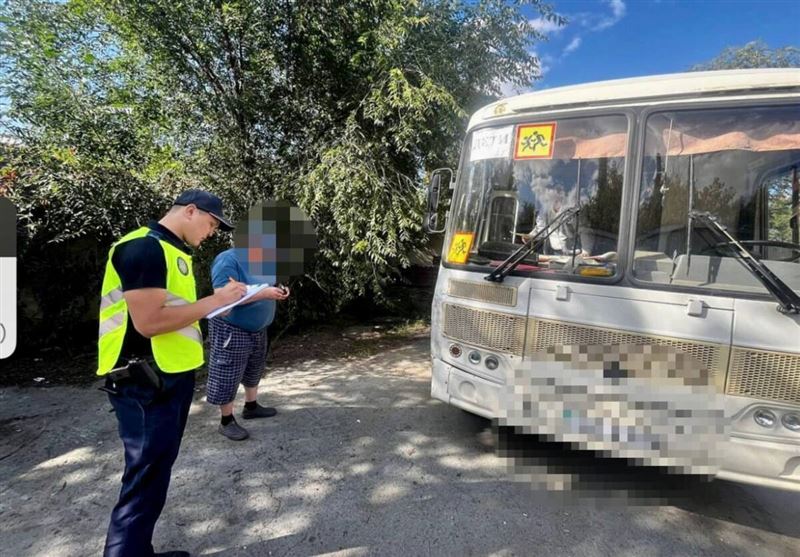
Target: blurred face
200,226
276,242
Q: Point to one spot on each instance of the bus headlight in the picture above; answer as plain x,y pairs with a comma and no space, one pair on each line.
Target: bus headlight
475,357
455,350
764,417
791,422
491,363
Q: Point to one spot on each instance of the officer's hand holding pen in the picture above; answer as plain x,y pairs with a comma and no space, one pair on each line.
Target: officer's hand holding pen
231,292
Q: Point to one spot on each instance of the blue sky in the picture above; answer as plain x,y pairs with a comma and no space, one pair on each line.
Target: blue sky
608,39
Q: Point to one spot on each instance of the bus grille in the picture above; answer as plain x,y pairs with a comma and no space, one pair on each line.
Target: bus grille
496,331
767,375
752,373
544,334
483,292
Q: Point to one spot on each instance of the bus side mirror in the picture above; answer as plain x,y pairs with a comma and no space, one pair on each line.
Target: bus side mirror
439,177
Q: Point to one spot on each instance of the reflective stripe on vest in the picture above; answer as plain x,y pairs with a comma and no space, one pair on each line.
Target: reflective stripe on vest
111,298
173,352
108,325
190,332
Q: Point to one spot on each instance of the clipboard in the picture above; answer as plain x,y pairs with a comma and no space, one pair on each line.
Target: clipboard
252,290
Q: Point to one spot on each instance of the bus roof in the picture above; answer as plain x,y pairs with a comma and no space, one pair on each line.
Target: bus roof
631,90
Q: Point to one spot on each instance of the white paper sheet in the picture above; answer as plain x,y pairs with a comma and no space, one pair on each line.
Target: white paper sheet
252,290
491,143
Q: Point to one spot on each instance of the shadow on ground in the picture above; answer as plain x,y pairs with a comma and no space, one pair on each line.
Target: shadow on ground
360,461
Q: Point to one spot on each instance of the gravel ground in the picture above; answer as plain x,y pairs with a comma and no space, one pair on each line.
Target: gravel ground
359,461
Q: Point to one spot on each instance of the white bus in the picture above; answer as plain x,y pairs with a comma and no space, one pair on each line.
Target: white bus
649,212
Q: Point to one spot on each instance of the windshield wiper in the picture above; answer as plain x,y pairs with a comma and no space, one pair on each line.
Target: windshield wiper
536,242
788,299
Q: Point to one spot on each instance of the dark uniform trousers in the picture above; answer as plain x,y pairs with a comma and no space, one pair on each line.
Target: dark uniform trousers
151,427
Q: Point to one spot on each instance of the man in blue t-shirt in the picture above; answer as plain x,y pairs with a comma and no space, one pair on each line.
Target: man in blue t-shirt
239,346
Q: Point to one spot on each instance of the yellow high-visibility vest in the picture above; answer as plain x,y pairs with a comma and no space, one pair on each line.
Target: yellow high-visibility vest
173,352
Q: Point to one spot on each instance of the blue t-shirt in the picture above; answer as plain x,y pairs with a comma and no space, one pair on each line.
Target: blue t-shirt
252,316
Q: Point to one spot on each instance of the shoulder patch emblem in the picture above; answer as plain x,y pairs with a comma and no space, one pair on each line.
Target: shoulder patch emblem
183,267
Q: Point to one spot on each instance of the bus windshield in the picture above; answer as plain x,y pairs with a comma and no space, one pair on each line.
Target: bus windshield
518,178
739,164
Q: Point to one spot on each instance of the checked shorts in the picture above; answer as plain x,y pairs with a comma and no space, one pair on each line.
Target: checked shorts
237,356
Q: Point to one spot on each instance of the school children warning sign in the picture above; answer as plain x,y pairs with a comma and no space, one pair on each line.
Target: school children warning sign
535,141
459,247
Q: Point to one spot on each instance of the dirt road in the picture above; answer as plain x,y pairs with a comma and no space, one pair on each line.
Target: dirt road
360,461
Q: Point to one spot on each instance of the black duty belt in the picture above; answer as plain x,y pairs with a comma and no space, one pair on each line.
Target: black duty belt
137,371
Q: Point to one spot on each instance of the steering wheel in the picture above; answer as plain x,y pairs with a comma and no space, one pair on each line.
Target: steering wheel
795,248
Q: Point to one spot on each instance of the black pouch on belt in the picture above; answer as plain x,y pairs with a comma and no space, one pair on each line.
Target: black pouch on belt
141,372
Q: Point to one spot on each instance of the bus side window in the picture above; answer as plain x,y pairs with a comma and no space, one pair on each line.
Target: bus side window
782,211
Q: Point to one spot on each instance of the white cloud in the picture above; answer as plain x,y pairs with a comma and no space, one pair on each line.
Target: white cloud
597,21
545,26
508,89
617,13
545,63
572,46
612,12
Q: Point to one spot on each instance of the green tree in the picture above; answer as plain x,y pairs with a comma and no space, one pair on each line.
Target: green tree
755,54
779,192
339,106
85,164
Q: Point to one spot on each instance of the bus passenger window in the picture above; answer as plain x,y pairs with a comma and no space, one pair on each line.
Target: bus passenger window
739,164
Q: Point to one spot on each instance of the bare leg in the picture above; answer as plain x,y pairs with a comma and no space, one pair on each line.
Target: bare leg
250,395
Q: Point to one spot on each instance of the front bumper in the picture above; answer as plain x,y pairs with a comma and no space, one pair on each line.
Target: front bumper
745,459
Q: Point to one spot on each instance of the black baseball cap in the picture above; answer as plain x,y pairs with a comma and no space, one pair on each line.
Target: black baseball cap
207,202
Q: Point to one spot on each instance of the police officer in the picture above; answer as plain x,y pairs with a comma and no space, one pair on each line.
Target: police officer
149,346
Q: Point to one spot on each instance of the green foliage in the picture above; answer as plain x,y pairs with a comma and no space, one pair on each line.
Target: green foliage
339,106
779,192
368,218
602,211
76,171
755,54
